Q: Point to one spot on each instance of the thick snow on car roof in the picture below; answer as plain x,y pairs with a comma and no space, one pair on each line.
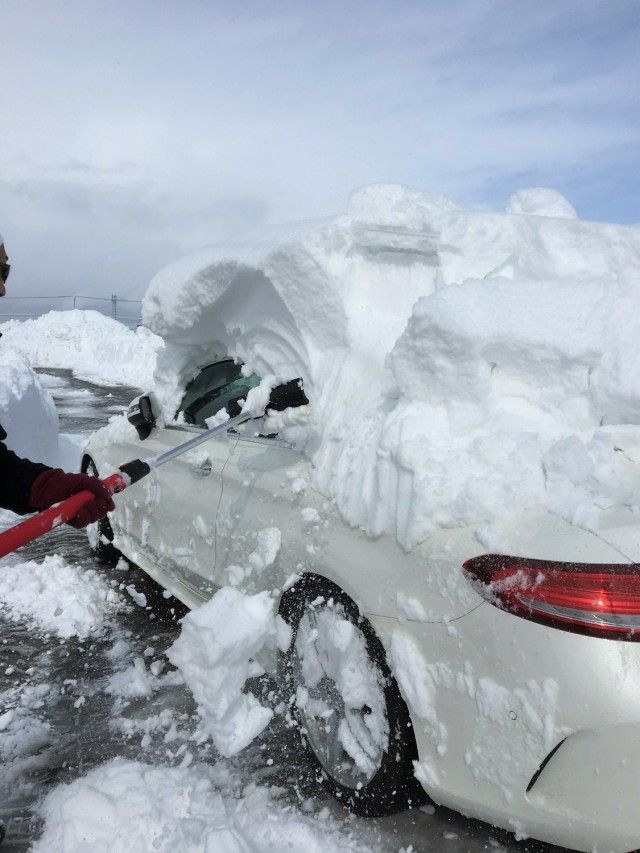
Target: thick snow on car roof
462,365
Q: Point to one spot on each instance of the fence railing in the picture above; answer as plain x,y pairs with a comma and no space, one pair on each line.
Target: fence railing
38,305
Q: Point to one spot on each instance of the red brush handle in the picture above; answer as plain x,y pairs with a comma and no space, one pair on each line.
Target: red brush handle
37,525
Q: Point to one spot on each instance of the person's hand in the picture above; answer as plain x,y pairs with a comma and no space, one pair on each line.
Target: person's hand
54,485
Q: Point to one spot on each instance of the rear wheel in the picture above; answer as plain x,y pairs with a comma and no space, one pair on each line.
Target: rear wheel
352,718
101,533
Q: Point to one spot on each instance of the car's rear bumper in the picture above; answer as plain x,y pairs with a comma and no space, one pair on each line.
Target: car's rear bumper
487,725
585,798
592,783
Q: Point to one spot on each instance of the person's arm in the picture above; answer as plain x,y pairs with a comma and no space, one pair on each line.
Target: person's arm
17,475
27,486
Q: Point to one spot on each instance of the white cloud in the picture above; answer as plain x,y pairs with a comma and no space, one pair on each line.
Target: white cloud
169,125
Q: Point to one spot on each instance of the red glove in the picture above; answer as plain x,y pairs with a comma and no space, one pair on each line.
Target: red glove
55,485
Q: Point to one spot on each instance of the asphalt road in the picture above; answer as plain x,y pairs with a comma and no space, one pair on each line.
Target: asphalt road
80,738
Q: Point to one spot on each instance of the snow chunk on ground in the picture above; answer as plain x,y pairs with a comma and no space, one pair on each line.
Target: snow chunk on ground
214,653
138,682
67,600
94,347
130,807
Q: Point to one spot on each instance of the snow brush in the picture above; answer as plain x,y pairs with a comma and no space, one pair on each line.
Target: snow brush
128,474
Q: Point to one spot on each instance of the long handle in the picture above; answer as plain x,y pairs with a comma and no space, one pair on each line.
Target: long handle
37,525
156,461
47,520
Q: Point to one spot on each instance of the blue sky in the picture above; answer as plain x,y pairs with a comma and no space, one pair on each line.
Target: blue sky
137,130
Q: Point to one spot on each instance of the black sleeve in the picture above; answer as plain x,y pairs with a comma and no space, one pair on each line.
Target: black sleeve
16,477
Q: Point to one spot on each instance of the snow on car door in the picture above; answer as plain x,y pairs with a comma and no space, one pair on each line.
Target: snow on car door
263,523
184,494
181,499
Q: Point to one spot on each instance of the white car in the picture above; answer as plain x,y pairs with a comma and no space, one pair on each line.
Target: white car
507,687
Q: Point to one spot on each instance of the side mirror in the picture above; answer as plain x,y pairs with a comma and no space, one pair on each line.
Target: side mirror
233,406
288,396
140,415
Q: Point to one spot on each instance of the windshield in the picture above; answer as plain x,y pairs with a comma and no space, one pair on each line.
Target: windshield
212,389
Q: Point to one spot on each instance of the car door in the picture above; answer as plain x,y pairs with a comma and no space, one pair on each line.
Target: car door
265,518
181,497
176,523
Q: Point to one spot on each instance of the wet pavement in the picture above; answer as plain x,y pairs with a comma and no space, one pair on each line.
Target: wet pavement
77,725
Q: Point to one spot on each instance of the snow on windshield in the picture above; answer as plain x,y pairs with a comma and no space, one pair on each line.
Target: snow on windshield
462,365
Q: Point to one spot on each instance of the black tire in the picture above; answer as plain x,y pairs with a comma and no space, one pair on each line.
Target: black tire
100,534
380,781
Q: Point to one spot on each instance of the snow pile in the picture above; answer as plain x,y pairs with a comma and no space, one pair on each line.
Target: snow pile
130,807
94,347
214,653
67,600
461,365
27,411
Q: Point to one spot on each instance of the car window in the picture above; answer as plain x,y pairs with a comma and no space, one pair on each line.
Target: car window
212,389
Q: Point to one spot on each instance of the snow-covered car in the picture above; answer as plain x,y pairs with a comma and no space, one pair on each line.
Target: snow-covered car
510,685
449,524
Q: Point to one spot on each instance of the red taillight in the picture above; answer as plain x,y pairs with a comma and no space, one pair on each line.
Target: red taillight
586,598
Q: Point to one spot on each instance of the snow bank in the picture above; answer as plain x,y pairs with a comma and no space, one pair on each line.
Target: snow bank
27,411
94,347
130,807
66,600
462,365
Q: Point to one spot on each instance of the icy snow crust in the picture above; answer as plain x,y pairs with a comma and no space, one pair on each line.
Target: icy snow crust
462,365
